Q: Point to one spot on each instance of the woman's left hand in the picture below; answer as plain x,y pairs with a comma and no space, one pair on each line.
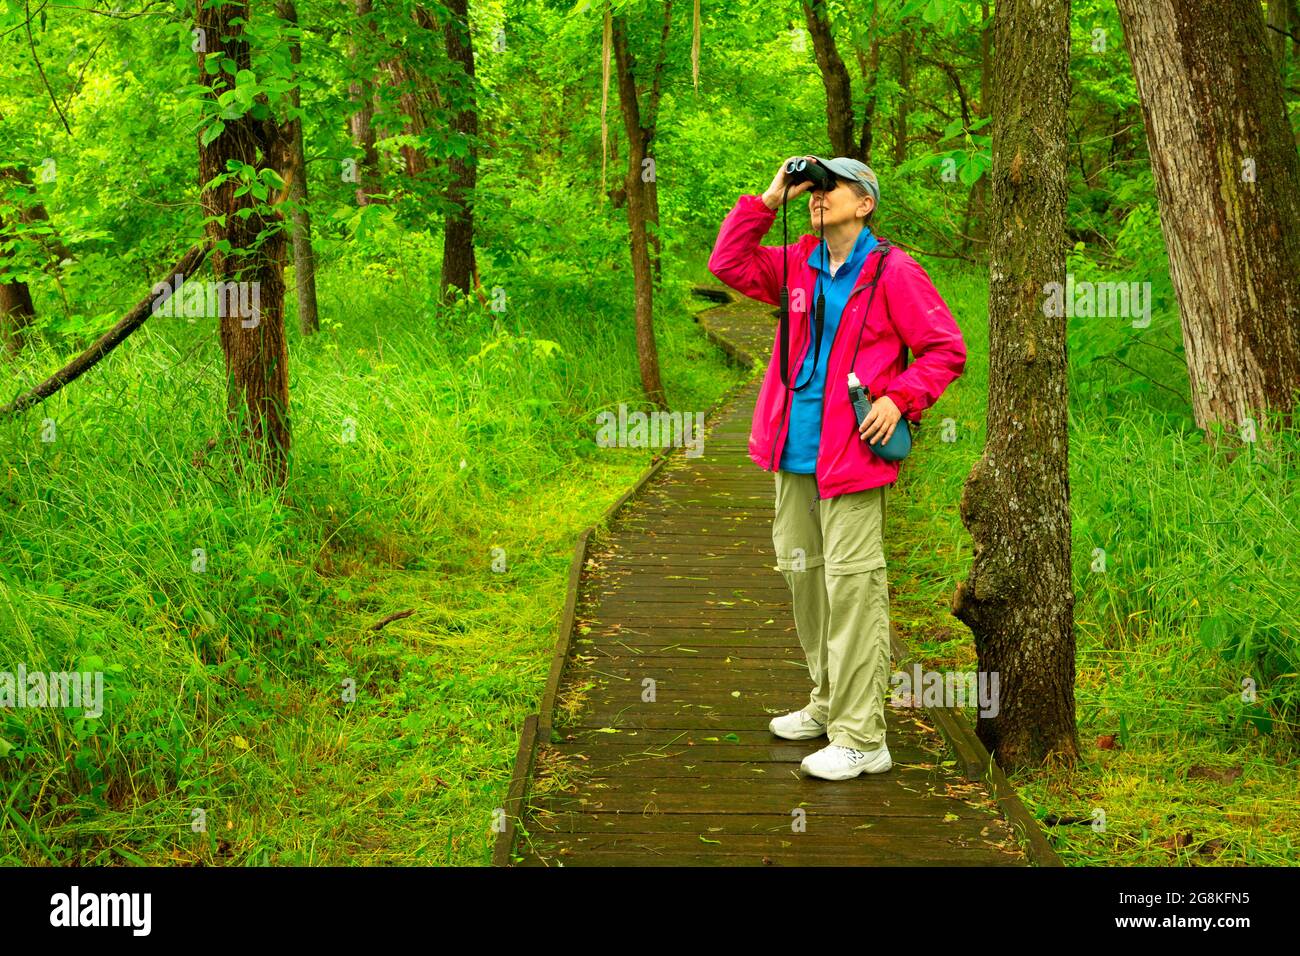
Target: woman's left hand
880,421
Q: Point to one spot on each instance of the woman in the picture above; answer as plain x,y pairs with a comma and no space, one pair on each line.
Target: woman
830,486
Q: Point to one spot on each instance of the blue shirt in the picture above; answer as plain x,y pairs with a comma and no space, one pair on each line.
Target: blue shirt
804,436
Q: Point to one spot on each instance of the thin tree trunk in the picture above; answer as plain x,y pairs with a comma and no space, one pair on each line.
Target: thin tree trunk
637,211
1228,183
904,94
869,67
974,230
652,130
361,121
835,79
304,256
256,357
458,265
1018,599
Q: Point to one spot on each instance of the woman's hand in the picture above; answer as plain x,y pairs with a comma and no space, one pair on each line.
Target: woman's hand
775,194
880,421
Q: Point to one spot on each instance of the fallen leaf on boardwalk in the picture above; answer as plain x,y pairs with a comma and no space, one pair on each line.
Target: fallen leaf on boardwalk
704,839
735,693
950,817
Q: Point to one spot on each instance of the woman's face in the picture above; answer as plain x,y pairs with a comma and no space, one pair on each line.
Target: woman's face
837,205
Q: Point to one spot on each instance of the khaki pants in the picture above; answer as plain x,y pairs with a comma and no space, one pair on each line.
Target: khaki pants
831,554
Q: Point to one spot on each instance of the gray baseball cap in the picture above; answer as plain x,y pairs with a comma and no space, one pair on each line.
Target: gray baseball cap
847,168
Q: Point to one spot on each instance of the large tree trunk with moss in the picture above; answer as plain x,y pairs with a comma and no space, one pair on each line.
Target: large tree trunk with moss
1018,599
637,212
458,266
247,248
1228,183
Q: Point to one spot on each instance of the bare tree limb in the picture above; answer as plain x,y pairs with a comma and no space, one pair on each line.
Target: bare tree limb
31,40
396,616
106,342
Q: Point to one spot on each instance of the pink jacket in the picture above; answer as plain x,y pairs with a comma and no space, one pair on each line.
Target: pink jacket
907,310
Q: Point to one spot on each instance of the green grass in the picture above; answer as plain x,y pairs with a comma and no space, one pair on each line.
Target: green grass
226,688
1198,594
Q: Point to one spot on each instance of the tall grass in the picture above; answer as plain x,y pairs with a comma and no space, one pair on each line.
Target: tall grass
443,462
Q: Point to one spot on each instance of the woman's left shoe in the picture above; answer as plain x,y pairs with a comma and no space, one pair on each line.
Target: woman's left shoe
843,763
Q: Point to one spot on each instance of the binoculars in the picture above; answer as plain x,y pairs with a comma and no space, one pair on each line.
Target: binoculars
804,170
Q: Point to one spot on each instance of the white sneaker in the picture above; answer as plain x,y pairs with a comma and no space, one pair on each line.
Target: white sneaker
843,763
796,726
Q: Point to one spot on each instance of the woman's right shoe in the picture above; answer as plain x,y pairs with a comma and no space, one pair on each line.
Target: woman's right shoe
796,726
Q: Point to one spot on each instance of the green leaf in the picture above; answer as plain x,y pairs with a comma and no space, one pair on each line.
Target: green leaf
212,132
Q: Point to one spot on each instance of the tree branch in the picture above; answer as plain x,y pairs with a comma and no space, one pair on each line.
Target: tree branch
31,40
106,342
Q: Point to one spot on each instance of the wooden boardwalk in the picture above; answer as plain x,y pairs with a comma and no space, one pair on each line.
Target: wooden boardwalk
677,647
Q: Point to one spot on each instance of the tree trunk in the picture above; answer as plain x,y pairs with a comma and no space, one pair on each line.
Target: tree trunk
16,308
253,344
458,266
869,67
304,256
1018,599
637,210
835,78
361,121
1277,19
904,80
16,313
1228,183
975,228
413,159
652,129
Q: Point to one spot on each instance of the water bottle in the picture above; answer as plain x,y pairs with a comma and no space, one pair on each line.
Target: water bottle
899,444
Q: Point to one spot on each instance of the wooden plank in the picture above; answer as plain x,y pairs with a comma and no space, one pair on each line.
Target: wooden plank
773,825
877,793
861,847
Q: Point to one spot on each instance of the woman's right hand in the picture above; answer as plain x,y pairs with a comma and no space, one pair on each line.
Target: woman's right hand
776,194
